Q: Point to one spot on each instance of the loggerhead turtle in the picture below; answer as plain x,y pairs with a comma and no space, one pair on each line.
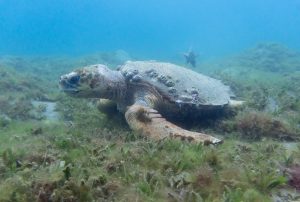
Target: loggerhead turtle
144,90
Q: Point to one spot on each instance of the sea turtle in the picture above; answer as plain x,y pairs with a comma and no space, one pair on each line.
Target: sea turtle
146,90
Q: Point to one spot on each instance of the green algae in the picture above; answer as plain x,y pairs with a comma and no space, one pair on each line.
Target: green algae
142,168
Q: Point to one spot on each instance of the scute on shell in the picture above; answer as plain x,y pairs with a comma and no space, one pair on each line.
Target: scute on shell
179,84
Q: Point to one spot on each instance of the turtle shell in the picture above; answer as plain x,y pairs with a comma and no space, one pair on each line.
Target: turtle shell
177,84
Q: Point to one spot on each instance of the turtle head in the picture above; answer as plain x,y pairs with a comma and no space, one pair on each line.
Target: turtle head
96,81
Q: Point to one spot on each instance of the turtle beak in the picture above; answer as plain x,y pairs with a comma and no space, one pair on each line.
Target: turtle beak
69,83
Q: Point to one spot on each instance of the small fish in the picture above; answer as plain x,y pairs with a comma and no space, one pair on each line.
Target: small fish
190,58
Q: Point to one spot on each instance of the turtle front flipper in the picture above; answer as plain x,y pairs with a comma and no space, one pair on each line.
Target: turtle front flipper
107,106
150,123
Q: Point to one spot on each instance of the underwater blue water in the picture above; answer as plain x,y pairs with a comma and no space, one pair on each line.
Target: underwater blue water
147,28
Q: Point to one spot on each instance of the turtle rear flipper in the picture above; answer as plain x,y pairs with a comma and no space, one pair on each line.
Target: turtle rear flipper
150,123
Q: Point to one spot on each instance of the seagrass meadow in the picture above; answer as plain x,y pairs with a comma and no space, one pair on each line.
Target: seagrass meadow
57,148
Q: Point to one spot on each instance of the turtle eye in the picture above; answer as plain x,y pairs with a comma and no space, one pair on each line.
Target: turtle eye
74,79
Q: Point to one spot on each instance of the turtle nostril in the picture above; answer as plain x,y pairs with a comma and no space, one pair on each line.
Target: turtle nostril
61,80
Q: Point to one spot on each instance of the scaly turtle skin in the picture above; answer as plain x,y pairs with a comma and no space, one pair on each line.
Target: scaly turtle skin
144,90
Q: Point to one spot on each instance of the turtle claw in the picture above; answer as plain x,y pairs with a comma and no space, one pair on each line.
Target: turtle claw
216,141
203,138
